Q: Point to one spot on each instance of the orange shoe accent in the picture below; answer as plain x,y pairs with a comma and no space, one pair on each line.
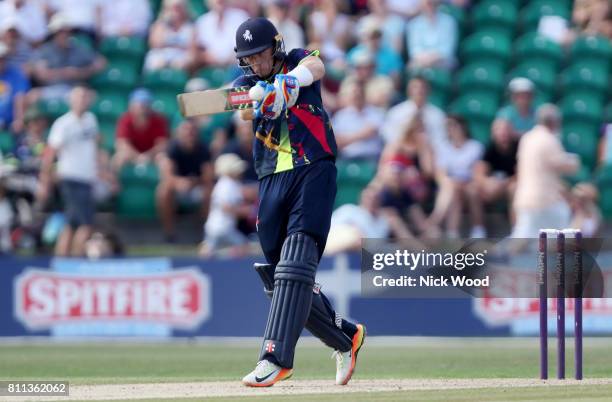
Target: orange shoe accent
358,340
283,374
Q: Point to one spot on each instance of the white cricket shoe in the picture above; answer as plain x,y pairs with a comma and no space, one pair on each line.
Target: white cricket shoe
266,374
346,361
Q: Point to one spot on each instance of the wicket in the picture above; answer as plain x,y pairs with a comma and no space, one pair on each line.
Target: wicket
560,296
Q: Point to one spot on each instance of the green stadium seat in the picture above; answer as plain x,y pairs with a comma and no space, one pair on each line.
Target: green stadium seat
604,184
480,130
582,139
110,105
216,77
486,45
481,75
582,106
531,14
608,113
52,108
353,177
537,48
166,79
438,98
7,142
108,127
587,74
124,47
196,8
583,174
596,48
496,14
542,75
117,76
165,103
476,105
137,196
439,79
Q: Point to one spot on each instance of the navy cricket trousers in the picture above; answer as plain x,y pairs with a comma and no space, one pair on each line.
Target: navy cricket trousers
297,200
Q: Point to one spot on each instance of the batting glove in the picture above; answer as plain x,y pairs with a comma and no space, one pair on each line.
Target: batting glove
288,87
271,105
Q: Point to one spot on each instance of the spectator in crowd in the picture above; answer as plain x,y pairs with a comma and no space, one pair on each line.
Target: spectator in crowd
13,88
605,144
278,11
227,206
521,112
19,50
215,35
380,92
495,174
432,38
433,117
61,63
82,16
413,152
29,148
242,145
185,173
29,16
387,61
403,213
328,30
586,214
171,36
592,17
73,139
392,25
455,163
356,125
141,132
351,223
538,200
125,18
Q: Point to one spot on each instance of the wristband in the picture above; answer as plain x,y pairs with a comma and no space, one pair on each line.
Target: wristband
303,75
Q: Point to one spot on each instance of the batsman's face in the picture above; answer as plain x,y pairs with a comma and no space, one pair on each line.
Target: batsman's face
261,63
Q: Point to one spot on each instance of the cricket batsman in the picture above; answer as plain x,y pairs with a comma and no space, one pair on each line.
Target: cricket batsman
294,152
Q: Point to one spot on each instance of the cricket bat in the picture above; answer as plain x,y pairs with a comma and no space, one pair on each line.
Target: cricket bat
214,101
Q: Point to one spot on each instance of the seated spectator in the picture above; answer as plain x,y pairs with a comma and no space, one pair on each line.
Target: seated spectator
227,206
19,50
215,35
28,151
141,132
278,11
413,152
403,213
351,223
170,38
455,163
432,38
521,111
406,9
73,139
328,30
62,63
29,16
387,61
13,88
82,16
380,92
392,25
125,18
356,125
592,17
586,214
185,173
400,114
539,198
495,174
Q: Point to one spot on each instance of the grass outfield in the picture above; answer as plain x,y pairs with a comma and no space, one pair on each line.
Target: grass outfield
421,358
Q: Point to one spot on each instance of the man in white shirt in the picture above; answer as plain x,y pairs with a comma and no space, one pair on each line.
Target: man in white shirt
399,115
125,18
82,15
539,200
215,33
73,139
356,125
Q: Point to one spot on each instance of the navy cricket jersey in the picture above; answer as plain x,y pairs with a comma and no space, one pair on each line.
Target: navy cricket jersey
299,137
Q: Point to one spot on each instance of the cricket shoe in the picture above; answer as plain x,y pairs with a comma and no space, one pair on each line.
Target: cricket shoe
346,361
266,374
